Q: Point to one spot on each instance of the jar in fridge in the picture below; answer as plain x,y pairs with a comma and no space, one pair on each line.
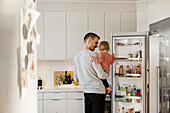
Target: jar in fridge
127,69
121,71
130,55
134,55
117,69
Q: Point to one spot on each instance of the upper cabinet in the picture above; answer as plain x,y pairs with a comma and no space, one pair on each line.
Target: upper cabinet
63,26
40,30
54,36
76,29
96,23
112,24
128,21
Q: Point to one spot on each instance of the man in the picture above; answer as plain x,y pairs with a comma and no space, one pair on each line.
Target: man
89,74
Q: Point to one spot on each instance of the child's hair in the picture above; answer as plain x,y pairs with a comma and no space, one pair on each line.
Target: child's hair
104,45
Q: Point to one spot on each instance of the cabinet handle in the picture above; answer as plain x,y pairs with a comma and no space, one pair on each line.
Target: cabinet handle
56,99
79,99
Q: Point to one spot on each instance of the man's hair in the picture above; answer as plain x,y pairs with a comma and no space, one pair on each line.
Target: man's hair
92,35
104,45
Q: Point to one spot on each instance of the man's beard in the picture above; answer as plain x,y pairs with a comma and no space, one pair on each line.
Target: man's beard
92,49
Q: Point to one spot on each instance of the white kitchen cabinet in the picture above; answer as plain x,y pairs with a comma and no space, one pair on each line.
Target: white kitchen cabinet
40,106
55,106
76,30
40,103
54,36
55,102
75,106
96,23
40,30
128,21
75,102
112,24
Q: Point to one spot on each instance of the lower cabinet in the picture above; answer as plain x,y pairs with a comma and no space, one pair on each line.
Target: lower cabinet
75,106
59,102
40,102
55,106
40,106
75,102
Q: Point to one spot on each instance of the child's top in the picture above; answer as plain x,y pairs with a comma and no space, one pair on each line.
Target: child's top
105,59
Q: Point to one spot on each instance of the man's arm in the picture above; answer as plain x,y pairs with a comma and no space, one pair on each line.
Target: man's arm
99,70
99,59
105,83
75,71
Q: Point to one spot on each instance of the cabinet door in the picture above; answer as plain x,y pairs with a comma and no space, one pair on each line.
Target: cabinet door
76,30
41,32
75,106
55,106
96,23
128,21
54,36
112,24
40,106
142,21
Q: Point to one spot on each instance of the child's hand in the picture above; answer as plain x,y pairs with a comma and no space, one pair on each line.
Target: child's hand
108,90
113,55
91,58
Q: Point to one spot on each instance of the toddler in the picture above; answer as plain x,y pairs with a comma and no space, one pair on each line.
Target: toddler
106,60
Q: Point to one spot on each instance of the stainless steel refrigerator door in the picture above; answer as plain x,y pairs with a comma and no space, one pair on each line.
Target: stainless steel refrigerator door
154,64
159,76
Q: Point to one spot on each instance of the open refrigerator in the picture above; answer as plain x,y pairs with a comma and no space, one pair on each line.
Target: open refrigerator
129,72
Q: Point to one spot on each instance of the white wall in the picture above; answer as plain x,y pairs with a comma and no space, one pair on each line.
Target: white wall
10,101
158,10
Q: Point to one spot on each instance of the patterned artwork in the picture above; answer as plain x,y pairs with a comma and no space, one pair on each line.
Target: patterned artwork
28,43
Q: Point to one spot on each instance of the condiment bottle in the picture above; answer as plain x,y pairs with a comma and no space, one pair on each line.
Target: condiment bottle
138,94
121,71
127,69
117,69
123,110
129,93
134,93
140,54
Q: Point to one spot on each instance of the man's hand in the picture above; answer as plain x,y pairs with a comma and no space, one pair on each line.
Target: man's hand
108,90
91,58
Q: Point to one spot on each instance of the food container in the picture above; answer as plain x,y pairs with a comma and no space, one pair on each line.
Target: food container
129,55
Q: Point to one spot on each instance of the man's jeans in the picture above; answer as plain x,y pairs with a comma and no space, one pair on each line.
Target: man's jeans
94,103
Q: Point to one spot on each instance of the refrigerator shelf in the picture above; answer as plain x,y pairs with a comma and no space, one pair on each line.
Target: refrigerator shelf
128,59
135,59
129,102
131,97
125,45
129,75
